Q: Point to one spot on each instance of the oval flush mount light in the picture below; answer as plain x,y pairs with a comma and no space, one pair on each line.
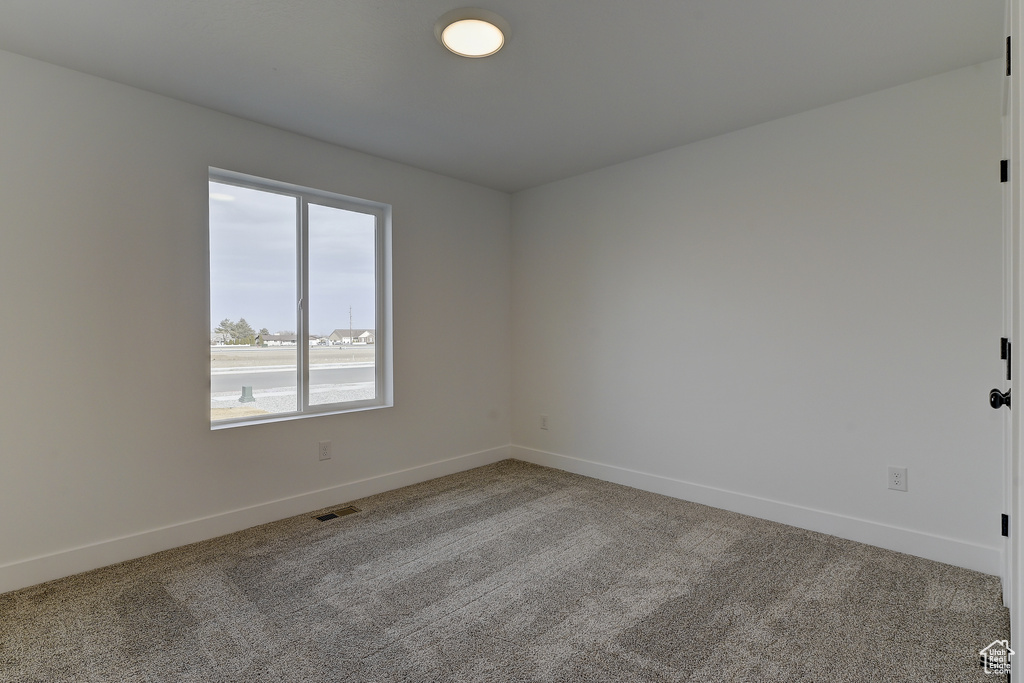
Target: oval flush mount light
472,32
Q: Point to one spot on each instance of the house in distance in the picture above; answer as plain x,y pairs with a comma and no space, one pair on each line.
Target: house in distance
346,337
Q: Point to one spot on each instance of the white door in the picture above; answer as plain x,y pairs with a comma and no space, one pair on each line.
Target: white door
1014,316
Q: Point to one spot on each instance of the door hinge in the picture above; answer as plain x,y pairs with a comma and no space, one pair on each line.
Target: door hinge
1006,525
1004,171
1005,353
1007,55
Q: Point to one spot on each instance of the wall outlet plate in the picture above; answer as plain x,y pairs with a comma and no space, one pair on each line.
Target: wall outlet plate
324,450
898,478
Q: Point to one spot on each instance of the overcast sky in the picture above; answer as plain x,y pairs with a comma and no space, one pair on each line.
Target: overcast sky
253,262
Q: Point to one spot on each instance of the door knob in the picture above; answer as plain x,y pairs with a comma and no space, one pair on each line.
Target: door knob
998,400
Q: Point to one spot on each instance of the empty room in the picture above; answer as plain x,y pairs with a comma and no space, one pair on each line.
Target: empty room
350,340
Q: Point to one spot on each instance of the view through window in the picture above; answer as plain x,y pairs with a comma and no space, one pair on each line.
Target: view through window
295,301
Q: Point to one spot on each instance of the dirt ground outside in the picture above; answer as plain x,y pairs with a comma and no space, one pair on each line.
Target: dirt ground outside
255,357
231,412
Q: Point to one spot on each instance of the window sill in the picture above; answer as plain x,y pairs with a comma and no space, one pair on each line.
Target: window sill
288,417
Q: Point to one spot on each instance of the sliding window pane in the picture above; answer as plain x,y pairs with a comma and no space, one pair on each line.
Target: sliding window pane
253,360
342,306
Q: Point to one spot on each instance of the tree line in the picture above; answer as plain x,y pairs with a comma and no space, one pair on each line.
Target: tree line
239,332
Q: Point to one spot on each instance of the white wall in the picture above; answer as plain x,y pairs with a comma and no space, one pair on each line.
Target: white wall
105,445
766,320
763,321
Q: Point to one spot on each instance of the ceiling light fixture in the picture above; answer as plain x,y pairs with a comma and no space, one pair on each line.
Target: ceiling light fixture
472,32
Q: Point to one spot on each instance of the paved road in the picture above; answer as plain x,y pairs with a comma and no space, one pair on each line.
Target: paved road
280,377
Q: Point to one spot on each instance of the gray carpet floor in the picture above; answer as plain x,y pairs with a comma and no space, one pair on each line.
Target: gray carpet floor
510,572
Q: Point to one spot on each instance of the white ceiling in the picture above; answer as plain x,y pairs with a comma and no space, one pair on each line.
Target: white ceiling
580,85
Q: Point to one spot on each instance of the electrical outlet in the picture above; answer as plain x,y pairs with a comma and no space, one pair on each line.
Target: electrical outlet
898,478
544,422
324,449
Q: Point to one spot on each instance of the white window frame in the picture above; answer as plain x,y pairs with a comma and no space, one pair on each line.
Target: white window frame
383,357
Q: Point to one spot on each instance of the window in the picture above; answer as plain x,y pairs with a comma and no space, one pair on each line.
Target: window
299,301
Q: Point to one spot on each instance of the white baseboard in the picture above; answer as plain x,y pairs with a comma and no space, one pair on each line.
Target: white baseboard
35,570
979,558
